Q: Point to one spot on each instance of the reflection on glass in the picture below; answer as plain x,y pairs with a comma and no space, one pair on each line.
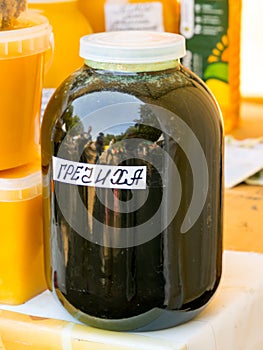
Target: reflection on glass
125,128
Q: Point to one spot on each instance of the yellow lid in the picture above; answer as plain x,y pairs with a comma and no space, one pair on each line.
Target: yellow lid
32,36
20,183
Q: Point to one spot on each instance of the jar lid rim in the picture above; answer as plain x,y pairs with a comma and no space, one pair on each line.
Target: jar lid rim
21,188
34,36
132,47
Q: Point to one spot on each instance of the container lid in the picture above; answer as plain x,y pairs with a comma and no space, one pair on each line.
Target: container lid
22,183
33,35
132,47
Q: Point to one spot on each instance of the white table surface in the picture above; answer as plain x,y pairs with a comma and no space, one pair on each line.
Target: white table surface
232,321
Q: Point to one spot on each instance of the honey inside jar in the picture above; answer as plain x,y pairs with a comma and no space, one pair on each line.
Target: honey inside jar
124,139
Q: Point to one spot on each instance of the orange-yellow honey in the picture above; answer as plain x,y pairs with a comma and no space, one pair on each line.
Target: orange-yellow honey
22,54
68,25
95,12
21,241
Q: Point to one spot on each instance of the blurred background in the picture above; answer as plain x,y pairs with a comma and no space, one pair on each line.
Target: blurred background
252,49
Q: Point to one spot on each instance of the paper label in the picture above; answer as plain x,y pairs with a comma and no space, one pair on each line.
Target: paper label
138,16
96,175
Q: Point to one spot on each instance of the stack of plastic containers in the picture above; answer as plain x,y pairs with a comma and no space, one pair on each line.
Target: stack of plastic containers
24,42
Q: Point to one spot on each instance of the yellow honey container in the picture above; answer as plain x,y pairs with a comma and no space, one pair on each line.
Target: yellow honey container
21,244
68,25
111,15
22,65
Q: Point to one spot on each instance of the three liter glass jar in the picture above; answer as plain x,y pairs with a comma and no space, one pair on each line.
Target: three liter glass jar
132,185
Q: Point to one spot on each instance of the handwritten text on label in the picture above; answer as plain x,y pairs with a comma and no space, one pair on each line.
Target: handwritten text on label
96,175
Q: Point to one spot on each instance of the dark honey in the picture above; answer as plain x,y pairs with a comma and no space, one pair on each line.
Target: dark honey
124,257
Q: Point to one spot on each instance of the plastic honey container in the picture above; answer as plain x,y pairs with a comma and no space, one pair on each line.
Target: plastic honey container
68,24
132,152
22,53
112,15
21,244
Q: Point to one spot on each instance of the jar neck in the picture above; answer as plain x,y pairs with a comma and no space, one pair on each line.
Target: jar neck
133,68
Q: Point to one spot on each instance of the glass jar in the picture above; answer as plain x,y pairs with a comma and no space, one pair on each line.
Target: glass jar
132,185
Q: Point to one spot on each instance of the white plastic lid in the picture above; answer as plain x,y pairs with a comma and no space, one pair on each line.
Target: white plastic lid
22,183
132,47
32,36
